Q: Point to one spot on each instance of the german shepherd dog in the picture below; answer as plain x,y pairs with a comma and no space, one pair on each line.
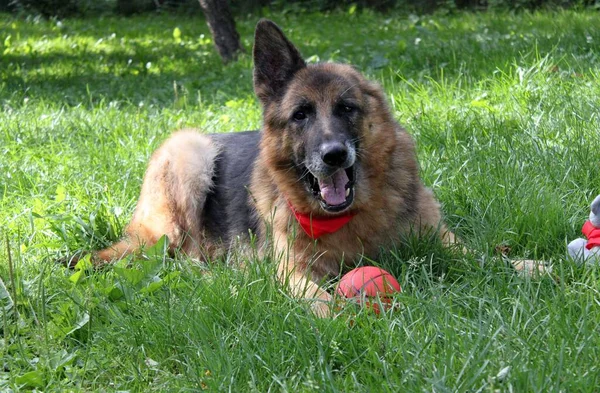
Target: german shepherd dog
329,178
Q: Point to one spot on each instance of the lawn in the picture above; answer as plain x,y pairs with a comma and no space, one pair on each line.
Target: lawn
505,110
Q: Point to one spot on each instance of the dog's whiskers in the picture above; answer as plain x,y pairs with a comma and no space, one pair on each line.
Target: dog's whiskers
347,90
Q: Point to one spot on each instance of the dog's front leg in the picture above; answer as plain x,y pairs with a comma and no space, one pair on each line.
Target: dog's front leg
293,271
302,287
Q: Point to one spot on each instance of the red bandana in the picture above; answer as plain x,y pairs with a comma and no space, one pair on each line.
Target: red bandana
592,233
315,227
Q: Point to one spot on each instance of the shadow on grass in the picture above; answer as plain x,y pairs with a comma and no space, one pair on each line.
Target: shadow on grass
140,59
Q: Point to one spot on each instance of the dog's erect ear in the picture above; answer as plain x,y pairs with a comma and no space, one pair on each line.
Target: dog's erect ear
276,60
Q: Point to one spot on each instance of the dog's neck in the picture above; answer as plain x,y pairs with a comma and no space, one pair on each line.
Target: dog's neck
316,226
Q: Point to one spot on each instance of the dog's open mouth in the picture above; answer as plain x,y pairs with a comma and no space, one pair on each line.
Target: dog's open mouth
336,192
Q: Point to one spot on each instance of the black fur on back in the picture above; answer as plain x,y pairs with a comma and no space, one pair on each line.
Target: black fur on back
228,212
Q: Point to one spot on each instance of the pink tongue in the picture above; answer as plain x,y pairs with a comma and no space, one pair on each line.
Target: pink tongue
333,189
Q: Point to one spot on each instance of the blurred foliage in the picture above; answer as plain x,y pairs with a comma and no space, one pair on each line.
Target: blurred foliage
63,8
419,6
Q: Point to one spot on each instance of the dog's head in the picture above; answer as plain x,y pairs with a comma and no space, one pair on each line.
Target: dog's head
317,119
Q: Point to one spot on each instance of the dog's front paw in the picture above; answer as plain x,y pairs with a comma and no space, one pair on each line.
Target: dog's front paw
531,267
322,305
321,309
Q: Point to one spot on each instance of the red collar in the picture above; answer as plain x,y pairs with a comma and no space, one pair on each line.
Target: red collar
315,226
592,233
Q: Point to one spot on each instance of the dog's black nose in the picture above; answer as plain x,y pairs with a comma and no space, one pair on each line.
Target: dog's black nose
334,153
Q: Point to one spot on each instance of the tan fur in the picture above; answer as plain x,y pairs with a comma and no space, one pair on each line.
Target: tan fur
175,186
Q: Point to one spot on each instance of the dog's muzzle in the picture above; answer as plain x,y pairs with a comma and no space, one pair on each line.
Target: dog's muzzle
330,176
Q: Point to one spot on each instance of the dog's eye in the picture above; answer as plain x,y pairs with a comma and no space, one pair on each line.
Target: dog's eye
299,115
346,109
302,113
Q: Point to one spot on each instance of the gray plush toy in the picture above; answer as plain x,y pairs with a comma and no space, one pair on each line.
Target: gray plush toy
582,250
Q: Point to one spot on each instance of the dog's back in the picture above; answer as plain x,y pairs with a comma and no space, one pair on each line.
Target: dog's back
228,212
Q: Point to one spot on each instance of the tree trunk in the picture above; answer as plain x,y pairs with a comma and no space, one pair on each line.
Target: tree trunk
222,28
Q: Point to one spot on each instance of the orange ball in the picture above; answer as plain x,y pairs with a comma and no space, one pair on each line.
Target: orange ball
367,282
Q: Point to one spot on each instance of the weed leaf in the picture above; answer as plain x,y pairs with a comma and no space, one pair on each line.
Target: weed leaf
85,318
32,379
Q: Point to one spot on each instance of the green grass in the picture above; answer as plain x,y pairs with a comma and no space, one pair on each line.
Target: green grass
505,109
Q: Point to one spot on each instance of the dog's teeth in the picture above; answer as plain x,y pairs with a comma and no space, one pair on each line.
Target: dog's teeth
347,192
322,195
